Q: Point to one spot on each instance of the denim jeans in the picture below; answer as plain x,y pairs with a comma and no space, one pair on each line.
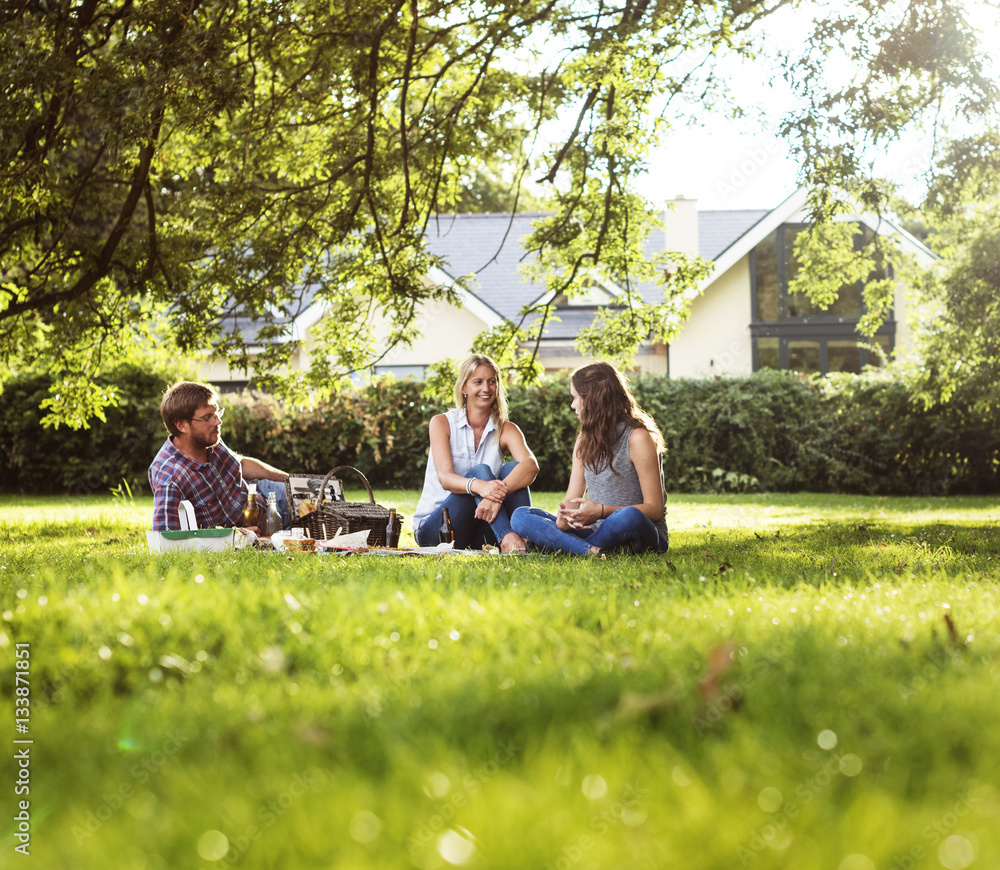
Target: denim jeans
472,533
627,528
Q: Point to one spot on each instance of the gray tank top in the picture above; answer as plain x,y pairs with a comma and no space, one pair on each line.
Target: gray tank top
621,486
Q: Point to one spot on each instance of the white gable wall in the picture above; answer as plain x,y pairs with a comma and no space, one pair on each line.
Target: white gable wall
445,331
218,373
904,320
715,340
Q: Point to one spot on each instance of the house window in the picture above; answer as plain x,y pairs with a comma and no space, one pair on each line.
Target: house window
789,332
416,372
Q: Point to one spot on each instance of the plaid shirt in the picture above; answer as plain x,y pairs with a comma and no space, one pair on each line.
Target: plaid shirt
216,488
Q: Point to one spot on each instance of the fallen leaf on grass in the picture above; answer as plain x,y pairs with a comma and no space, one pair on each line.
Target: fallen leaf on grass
953,635
725,566
720,662
716,697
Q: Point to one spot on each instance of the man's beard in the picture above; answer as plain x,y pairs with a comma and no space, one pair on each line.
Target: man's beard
203,442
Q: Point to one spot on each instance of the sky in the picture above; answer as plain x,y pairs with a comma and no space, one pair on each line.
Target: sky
734,164
723,166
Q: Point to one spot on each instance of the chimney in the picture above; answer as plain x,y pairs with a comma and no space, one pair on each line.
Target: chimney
680,220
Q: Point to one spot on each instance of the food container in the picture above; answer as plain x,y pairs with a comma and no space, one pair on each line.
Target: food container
293,540
190,539
300,545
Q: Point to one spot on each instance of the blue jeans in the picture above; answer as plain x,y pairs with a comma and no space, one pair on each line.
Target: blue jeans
627,528
472,533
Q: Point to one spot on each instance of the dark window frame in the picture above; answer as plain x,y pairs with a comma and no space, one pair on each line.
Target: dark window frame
820,327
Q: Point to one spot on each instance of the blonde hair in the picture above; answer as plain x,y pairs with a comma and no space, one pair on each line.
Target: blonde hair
499,411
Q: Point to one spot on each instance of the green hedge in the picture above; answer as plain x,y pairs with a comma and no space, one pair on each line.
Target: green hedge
769,432
876,440
40,460
381,430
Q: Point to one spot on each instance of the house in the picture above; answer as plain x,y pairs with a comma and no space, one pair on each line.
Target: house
742,318
745,319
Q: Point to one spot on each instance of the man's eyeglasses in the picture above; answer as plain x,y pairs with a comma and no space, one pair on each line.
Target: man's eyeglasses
211,418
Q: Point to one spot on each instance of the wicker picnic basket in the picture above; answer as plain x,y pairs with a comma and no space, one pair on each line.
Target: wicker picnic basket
350,516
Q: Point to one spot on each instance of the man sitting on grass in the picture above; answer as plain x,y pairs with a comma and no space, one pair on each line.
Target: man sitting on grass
195,465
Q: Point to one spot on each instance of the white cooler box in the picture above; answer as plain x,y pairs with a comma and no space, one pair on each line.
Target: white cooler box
191,539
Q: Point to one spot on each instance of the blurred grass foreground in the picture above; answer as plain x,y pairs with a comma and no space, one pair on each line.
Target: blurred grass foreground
803,681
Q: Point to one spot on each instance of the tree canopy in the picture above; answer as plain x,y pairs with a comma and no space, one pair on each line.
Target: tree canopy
171,167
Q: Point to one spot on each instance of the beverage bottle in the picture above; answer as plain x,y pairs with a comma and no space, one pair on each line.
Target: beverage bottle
250,512
392,530
272,519
447,531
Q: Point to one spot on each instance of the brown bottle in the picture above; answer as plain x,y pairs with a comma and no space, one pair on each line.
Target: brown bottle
250,512
447,532
392,531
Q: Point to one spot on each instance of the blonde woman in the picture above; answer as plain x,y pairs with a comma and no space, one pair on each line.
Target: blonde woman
616,499
466,472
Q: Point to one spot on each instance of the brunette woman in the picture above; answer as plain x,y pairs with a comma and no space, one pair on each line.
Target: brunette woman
616,500
466,472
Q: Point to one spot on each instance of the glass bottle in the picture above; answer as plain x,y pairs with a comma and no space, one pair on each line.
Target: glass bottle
250,512
447,531
272,518
392,531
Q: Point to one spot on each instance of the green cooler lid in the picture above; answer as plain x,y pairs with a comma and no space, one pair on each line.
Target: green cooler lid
196,533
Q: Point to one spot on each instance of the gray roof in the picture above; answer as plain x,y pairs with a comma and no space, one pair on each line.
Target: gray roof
488,247
719,230
566,323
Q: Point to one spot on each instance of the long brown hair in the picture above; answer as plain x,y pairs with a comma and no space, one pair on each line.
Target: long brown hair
607,403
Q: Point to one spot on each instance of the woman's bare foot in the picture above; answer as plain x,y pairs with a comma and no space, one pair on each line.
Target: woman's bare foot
513,543
594,551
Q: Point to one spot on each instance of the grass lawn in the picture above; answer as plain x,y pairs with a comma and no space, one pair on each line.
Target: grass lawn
802,682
